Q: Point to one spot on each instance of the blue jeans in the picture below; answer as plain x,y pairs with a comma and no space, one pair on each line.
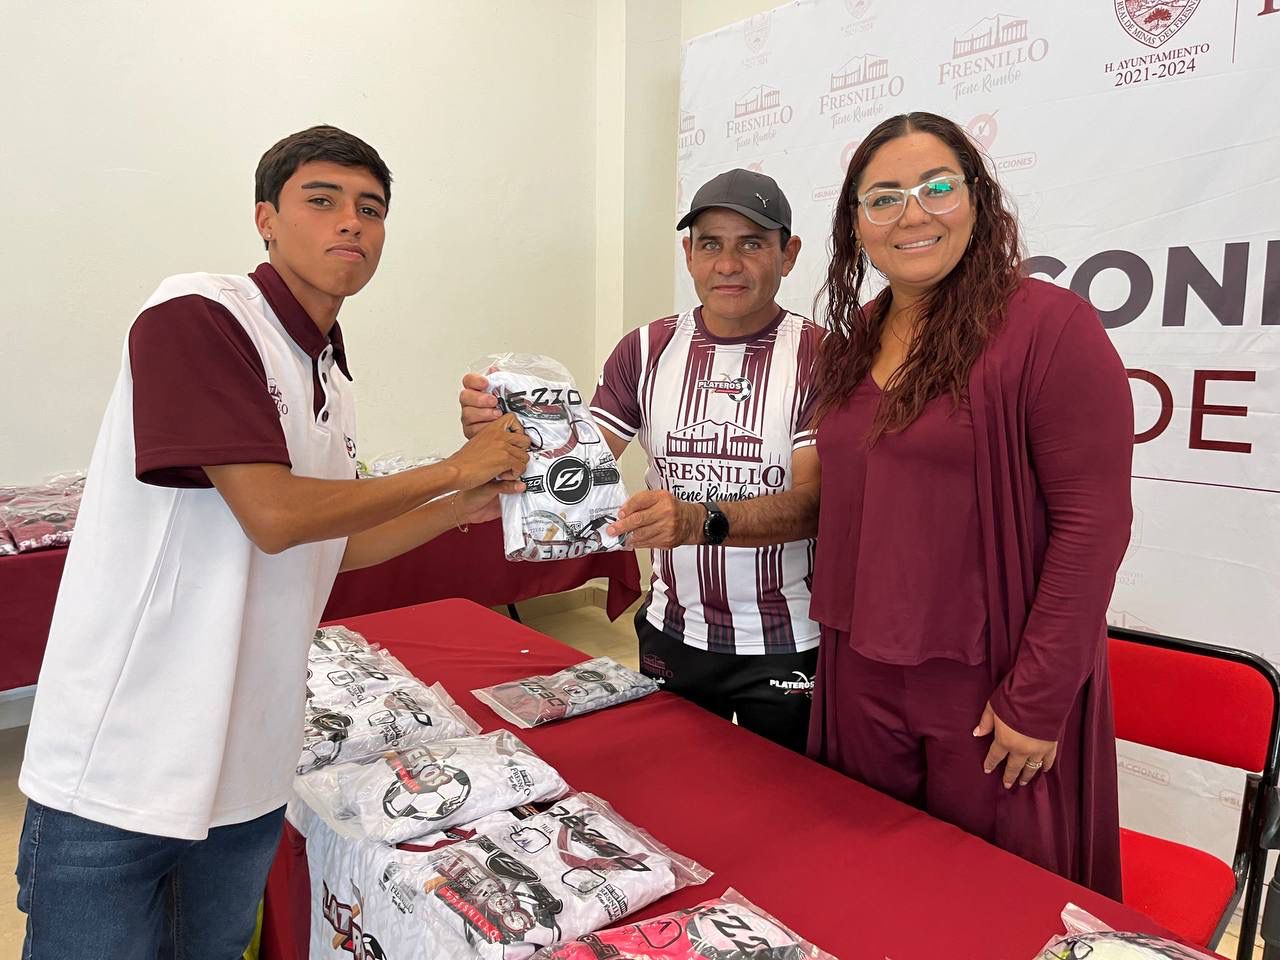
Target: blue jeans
90,890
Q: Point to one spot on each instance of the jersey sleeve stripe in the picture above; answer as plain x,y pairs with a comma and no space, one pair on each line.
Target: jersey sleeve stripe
608,420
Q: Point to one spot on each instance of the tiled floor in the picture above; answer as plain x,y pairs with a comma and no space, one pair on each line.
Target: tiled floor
11,806
586,628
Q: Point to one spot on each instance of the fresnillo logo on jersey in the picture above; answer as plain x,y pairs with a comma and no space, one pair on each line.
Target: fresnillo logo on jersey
569,480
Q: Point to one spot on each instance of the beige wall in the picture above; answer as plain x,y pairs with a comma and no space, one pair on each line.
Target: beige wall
704,16
533,208
130,137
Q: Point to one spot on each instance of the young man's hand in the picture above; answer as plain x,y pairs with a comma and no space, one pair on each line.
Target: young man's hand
479,407
656,519
499,450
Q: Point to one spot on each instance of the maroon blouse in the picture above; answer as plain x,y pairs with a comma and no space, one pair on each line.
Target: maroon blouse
899,565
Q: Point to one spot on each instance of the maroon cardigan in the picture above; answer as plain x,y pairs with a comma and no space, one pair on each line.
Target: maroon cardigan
1053,428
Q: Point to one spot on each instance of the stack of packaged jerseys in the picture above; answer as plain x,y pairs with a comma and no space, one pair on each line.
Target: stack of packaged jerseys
518,884
363,702
426,839
39,517
410,794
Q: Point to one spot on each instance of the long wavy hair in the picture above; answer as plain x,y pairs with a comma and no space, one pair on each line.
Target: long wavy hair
959,315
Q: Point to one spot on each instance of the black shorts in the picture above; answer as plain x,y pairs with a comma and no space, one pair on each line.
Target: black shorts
770,693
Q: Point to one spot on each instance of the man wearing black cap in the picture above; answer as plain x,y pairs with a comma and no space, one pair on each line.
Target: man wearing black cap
720,398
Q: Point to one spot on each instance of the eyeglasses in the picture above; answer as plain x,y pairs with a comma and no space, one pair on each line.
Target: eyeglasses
936,196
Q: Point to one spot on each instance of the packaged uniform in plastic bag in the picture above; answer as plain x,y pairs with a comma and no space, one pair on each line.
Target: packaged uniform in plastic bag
7,546
360,906
343,666
573,869
334,678
445,838
1112,945
573,489
369,725
1088,938
582,688
730,927
372,900
337,639
41,517
409,794
367,898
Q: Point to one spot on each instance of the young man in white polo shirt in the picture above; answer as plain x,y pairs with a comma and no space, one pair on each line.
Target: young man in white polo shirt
720,397
221,503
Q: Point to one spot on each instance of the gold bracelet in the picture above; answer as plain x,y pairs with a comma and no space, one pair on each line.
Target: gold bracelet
453,503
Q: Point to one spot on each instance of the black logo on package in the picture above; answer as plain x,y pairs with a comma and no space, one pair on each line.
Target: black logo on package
600,477
569,480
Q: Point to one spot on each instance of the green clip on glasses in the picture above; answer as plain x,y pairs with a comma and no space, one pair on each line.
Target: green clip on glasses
936,196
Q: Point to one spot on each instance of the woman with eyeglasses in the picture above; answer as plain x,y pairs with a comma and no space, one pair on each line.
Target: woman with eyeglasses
975,436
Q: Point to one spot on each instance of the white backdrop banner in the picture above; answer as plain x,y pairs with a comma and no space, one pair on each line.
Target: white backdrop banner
1140,141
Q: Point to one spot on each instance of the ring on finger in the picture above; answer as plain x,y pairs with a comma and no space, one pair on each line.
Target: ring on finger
1034,764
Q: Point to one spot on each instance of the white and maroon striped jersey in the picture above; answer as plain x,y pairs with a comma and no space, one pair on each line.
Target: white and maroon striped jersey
719,419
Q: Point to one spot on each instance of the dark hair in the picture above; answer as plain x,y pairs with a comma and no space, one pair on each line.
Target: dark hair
960,313
308,146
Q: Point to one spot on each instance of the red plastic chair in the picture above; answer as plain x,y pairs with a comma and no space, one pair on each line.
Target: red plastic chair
1211,703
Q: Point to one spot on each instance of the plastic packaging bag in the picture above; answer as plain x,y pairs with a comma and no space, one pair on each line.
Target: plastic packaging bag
1088,938
576,868
494,821
68,484
360,908
579,689
573,487
367,899
38,518
385,466
412,793
337,639
336,678
367,726
730,927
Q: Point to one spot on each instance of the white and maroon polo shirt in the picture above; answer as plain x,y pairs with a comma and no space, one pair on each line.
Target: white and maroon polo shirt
719,419
171,695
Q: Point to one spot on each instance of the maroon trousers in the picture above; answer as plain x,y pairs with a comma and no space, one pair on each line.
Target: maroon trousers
908,732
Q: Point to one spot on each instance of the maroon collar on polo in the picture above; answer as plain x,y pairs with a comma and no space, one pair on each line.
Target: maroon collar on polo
296,320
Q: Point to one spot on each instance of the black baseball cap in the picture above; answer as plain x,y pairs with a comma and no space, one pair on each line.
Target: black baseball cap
754,195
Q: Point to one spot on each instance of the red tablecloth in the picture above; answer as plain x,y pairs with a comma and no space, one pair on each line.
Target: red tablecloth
455,564
471,565
861,875
28,588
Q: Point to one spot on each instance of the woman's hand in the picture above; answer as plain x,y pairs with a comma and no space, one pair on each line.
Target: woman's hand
480,504
1023,756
